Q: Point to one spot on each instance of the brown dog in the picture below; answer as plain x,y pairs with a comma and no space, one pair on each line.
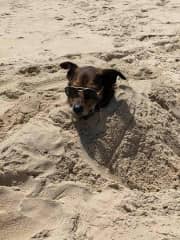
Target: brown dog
89,88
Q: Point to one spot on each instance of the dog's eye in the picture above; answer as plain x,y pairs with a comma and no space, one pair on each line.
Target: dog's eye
71,92
90,94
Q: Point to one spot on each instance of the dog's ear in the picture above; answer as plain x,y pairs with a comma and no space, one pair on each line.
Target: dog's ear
68,65
71,67
106,79
109,76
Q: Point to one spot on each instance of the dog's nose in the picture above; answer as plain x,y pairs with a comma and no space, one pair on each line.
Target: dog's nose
78,108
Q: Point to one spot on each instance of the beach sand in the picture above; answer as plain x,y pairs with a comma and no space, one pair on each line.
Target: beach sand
116,175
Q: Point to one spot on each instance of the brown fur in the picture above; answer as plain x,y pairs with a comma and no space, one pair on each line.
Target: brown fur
100,80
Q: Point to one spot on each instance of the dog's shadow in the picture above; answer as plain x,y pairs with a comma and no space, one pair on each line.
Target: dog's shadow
101,134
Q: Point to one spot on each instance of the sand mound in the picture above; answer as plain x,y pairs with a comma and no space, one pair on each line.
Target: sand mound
137,139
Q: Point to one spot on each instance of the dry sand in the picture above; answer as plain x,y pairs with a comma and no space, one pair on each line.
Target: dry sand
117,175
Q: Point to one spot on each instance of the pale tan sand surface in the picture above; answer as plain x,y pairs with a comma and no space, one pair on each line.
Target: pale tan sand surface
115,176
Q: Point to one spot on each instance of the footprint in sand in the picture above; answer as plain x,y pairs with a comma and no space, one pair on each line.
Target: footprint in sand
162,3
41,235
30,70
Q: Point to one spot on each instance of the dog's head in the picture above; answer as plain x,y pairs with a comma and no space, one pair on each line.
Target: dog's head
89,88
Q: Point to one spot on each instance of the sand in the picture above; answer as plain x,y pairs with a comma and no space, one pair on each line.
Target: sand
116,175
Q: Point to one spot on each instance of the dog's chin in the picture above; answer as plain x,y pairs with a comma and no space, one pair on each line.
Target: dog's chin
84,116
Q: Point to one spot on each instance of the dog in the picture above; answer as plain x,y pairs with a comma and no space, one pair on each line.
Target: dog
89,88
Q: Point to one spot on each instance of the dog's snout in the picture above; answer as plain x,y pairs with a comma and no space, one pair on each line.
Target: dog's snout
77,108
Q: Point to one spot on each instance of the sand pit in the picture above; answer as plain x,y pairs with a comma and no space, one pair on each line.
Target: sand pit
117,174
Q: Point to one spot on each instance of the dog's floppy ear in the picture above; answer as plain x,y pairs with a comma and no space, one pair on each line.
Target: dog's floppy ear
106,78
68,65
71,67
110,75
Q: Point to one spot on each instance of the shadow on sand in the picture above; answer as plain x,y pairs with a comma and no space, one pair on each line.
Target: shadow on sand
102,133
